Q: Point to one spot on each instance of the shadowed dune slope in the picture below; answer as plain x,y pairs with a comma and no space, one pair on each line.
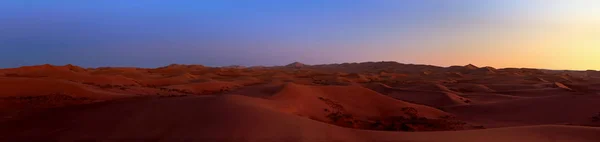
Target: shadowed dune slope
436,98
18,94
21,87
299,103
236,119
68,72
573,109
355,100
203,87
185,118
260,91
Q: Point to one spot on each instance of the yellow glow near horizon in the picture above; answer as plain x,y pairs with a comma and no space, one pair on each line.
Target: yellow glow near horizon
550,35
571,36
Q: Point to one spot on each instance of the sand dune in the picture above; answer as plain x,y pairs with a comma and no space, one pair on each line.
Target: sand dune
129,72
467,88
309,100
24,94
205,87
430,95
41,71
17,87
562,86
544,133
245,80
296,65
483,98
370,101
511,87
472,69
539,92
234,119
571,109
259,91
68,72
358,107
170,80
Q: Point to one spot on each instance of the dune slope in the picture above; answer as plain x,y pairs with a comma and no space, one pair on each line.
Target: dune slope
188,119
573,109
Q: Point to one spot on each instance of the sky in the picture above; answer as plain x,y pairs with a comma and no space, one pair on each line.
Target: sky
550,34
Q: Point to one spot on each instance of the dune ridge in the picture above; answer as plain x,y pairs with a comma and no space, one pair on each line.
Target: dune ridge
369,101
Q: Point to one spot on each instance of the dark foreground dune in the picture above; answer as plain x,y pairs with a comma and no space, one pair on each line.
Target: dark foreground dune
350,102
235,118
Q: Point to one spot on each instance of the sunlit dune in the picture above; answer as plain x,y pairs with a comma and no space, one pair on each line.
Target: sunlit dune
371,101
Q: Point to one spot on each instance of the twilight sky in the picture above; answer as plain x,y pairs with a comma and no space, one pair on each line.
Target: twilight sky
553,34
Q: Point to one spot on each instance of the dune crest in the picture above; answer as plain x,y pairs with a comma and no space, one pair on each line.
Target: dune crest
332,102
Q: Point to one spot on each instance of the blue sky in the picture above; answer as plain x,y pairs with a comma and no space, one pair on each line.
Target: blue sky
254,32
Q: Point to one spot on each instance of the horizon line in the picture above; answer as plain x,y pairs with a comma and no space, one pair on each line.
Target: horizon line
416,64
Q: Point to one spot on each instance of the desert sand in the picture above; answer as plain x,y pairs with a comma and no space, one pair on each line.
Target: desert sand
349,102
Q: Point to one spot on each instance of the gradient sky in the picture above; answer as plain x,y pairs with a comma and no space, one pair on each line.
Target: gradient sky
553,34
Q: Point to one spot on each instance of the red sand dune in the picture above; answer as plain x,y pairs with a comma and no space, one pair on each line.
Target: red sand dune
572,109
266,90
539,92
18,87
369,101
68,72
237,119
356,100
24,94
562,86
245,80
170,80
129,72
204,87
483,97
467,88
430,95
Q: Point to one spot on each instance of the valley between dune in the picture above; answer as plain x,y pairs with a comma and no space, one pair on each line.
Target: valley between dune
353,102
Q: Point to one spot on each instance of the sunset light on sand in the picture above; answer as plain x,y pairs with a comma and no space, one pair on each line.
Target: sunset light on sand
300,70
